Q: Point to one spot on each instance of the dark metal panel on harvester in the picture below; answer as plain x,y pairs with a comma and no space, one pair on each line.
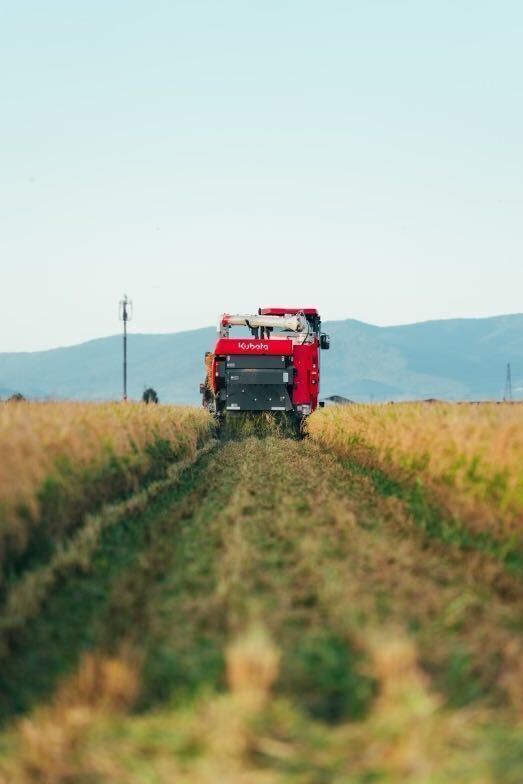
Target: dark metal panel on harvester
258,362
263,376
258,397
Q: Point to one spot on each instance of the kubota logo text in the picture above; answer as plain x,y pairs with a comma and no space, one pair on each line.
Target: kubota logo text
253,346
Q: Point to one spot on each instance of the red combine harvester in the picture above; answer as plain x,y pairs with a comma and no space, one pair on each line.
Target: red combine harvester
275,369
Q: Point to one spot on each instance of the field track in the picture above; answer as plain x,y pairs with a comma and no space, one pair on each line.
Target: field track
275,539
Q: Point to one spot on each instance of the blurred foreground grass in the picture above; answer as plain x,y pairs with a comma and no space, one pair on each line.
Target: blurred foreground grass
246,735
279,615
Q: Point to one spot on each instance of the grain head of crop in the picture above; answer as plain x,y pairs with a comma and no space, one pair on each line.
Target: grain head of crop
252,664
50,738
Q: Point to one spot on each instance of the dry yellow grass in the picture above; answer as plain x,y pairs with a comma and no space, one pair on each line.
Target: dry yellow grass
60,460
468,456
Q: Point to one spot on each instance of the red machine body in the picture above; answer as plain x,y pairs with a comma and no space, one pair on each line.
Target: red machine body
276,368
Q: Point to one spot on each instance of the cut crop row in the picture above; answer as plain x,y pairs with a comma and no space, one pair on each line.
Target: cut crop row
62,460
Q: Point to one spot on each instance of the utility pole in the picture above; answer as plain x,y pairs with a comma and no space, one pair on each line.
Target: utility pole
508,385
125,315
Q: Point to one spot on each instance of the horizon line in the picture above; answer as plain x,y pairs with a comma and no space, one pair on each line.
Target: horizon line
208,326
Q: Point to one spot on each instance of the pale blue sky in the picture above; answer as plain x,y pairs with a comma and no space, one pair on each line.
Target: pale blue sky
208,155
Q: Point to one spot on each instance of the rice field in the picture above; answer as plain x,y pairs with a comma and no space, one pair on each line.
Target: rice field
344,608
469,458
62,460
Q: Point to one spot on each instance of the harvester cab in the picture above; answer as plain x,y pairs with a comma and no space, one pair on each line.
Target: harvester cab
275,368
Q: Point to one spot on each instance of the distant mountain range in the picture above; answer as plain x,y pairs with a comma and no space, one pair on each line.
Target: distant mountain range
457,359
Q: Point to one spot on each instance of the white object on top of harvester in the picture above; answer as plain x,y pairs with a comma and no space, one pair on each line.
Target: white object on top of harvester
293,323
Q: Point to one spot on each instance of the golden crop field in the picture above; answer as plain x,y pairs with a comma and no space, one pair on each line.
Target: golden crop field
469,457
250,607
61,460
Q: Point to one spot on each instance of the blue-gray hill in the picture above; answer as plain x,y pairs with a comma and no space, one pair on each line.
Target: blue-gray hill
450,359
